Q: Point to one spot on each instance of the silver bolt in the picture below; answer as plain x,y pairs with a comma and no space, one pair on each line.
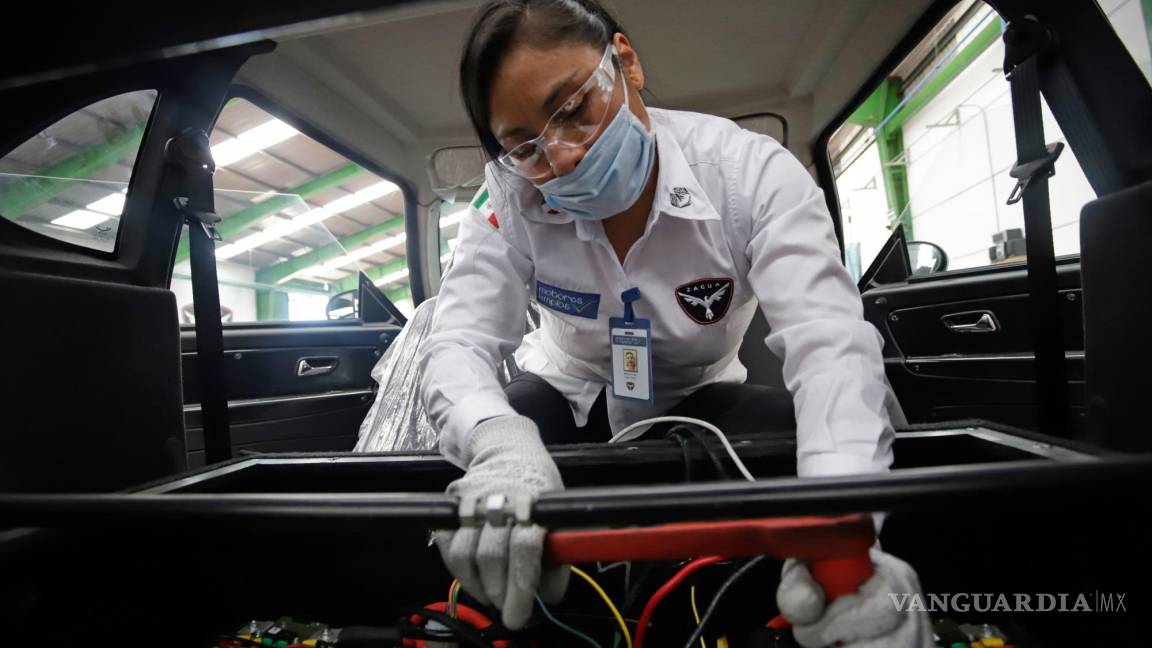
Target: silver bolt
894,317
1071,296
236,356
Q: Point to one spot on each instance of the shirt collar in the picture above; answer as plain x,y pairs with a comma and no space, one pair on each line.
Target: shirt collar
678,192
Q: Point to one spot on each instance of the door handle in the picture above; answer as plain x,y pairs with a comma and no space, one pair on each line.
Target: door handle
984,322
316,366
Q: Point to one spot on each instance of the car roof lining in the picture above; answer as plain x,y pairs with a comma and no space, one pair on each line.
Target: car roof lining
364,85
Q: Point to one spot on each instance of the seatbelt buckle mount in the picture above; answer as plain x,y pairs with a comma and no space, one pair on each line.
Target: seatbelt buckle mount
206,219
1025,172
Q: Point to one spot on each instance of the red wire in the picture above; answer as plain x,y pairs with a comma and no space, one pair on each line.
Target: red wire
666,589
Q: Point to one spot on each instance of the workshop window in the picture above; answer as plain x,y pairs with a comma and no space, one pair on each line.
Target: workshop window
931,148
300,222
70,180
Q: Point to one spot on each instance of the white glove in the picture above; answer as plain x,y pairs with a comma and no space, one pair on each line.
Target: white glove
867,619
501,565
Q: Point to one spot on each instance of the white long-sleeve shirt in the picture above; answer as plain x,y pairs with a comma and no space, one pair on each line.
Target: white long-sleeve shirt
732,208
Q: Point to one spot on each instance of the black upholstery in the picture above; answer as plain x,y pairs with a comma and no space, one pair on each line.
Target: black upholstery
90,396
1114,235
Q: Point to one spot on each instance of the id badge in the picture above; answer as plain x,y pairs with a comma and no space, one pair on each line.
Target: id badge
631,358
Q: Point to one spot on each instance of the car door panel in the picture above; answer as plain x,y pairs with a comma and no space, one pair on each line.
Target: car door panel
940,373
271,405
314,422
928,330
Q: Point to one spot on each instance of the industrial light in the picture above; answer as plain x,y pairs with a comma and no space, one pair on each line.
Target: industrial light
449,221
309,217
391,277
80,219
251,141
112,204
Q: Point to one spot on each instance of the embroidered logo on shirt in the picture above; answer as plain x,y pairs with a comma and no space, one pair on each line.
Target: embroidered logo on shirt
680,197
706,301
492,221
568,302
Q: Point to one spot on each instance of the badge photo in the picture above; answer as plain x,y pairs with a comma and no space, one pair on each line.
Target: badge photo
630,362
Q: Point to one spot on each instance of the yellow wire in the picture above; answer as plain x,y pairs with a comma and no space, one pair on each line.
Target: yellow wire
696,615
612,606
722,642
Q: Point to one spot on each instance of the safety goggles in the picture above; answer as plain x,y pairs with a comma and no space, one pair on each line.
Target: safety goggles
573,124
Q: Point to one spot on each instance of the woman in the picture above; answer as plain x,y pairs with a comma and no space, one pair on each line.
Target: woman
647,237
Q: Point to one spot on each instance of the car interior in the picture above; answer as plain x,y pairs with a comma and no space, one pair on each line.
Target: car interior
302,171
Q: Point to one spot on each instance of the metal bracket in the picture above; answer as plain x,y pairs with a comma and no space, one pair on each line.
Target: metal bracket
207,220
1025,172
497,510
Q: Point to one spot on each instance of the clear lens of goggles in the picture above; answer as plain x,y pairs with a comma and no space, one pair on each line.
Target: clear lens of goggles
572,125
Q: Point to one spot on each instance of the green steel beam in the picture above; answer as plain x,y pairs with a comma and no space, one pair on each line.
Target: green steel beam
245,218
946,74
890,146
18,198
885,104
277,272
404,292
871,112
1146,9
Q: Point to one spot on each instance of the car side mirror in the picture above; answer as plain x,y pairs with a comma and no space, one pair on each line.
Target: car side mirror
926,258
343,305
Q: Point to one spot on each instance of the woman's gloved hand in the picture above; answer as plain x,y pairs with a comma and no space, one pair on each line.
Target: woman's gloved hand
867,619
501,565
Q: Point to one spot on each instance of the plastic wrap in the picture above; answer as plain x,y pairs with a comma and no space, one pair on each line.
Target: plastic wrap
397,420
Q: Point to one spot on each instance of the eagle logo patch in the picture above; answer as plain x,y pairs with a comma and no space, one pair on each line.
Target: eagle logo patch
706,301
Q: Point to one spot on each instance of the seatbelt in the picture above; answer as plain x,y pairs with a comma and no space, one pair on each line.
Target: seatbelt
190,156
1024,42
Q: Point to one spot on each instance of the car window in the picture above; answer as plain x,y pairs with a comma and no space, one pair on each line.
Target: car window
931,150
300,221
450,216
70,180
1132,21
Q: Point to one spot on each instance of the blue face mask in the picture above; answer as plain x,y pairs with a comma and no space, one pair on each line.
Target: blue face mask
612,174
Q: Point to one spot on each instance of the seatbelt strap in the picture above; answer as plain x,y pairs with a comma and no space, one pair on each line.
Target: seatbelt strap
1025,41
191,158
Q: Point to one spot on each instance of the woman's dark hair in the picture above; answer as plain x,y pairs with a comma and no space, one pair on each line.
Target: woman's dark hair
537,23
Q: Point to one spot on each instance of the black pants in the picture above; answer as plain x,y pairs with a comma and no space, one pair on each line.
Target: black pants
734,408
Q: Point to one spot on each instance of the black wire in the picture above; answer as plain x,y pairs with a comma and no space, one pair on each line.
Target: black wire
715,604
698,435
676,434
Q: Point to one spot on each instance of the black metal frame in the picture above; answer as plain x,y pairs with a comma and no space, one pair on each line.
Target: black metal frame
1052,473
1037,484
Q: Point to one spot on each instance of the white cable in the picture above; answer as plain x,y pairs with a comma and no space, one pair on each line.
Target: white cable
687,419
